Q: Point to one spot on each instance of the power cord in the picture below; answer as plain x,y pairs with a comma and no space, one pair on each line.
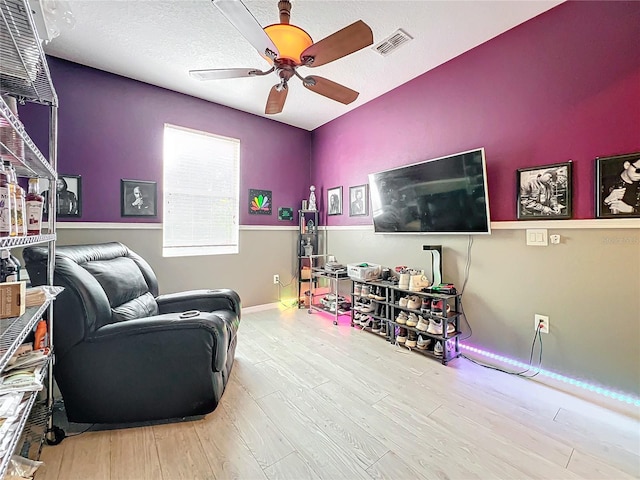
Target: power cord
285,285
83,431
522,373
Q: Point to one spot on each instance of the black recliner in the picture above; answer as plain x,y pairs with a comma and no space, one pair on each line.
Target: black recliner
125,354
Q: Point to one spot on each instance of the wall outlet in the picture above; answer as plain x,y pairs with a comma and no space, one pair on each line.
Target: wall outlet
542,321
276,279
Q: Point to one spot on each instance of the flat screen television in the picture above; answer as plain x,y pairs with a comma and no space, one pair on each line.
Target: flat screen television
444,195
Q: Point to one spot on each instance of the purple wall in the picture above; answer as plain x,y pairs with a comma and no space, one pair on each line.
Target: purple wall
562,86
111,127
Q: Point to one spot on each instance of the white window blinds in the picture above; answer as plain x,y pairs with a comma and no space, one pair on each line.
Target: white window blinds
201,190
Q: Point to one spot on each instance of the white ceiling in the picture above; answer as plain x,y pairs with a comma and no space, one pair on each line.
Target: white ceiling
159,41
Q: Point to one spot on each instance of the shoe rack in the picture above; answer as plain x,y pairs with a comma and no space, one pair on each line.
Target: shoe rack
382,304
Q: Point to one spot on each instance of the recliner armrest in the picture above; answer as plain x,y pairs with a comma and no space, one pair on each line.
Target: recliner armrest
203,300
213,323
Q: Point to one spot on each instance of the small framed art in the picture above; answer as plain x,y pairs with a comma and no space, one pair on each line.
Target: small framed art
618,186
68,195
544,193
138,198
334,201
358,201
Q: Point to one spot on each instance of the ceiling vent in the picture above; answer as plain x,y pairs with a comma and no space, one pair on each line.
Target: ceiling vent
392,42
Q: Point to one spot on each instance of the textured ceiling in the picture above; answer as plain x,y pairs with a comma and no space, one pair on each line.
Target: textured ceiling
159,41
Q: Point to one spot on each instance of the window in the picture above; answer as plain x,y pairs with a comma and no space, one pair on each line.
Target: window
201,193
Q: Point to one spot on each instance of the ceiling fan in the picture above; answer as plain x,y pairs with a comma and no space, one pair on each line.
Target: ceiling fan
288,47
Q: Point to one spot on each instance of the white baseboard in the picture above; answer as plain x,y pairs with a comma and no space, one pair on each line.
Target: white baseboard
260,308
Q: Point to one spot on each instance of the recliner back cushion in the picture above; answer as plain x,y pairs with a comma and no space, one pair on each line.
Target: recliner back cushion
125,287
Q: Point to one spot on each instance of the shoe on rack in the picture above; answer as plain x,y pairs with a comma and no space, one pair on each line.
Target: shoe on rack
403,302
437,307
438,350
426,305
373,292
356,318
423,343
357,289
383,328
401,319
403,283
368,308
365,290
365,321
412,339
379,294
414,302
422,324
412,320
402,336
435,327
375,326
418,282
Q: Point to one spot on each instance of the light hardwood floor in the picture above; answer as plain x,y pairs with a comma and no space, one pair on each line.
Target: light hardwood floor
310,400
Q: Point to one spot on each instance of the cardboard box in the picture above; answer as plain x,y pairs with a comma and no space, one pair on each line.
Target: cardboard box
362,273
12,299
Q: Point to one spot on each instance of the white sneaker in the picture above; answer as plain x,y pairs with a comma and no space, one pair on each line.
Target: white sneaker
414,302
403,302
422,324
438,350
364,291
435,327
403,282
401,319
423,343
412,321
357,289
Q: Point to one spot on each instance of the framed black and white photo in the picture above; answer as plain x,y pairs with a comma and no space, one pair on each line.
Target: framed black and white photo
334,201
358,200
545,193
618,186
69,195
138,198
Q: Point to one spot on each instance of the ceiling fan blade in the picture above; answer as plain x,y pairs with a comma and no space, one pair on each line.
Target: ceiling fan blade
340,44
221,73
330,89
240,17
276,99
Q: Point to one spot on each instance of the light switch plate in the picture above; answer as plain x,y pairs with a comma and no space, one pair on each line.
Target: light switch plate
537,237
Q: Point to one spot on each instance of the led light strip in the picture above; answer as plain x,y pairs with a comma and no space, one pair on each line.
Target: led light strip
578,383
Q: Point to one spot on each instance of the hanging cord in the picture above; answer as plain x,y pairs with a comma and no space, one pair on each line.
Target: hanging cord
467,269
522,373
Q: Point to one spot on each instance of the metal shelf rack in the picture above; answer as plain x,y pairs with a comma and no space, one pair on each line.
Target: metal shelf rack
24,75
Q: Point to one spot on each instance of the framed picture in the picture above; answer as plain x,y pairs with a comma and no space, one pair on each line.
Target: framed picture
260,202
618,186
334,201
138,198
358,200
545,193
69,195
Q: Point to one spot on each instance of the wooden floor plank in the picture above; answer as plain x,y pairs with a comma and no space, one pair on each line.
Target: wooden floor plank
392,466
308,399
180,452
134,454
228,455
80,459
589,467
326,458
259,431
291,467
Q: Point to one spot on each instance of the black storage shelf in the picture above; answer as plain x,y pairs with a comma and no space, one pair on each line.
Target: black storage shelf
389,308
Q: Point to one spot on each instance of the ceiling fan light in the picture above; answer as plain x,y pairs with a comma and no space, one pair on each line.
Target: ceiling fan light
290,40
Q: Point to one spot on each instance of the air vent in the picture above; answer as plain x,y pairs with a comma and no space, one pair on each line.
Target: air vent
392,42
